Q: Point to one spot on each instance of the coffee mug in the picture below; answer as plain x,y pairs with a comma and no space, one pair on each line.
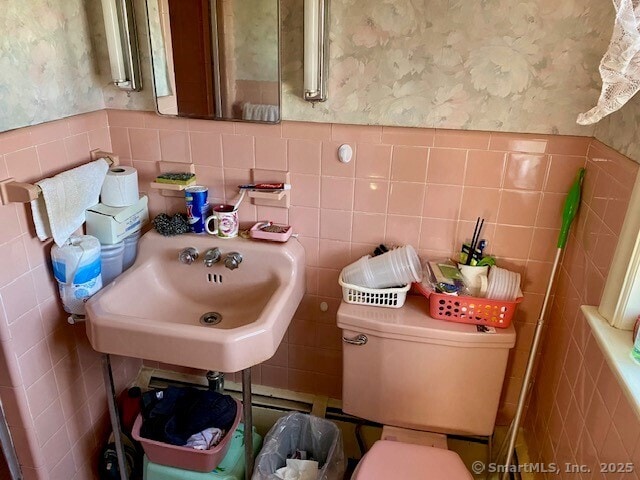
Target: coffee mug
475,278
225,221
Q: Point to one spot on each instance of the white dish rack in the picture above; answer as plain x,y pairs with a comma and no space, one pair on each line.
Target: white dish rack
378,297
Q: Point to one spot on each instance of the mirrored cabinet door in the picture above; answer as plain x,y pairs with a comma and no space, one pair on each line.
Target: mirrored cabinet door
216,59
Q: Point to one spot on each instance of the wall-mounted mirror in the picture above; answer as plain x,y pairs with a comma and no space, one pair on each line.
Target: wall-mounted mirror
216,59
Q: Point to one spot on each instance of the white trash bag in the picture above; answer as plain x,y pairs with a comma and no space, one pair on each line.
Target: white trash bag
320,438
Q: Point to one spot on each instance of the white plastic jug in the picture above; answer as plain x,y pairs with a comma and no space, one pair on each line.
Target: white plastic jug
76,267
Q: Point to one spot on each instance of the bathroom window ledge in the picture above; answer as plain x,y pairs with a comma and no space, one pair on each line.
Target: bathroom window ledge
616,346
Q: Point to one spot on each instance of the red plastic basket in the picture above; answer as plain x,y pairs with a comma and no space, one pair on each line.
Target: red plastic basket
472,310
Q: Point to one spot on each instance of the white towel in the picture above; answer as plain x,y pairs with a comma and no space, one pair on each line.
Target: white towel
260,113
60,209
206,439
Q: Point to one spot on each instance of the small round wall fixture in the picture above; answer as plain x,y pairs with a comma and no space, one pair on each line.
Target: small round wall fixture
345,152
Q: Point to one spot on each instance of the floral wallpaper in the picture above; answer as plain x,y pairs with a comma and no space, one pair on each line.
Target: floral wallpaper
114,97
527,66
46,62
620,129
256,39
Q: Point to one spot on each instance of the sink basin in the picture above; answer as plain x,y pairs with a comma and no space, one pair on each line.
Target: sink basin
203,317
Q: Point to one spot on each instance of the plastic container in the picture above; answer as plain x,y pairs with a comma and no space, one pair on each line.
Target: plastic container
379,297
399,266
186,457
230,468
130,250
320,438
472,310
111,257
77,268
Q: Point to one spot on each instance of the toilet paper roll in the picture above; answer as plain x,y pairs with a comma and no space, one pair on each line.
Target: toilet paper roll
120,187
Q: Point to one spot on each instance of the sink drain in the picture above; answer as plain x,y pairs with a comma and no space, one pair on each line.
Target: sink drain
211,318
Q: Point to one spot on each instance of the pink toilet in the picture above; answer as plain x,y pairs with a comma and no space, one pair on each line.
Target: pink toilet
404,369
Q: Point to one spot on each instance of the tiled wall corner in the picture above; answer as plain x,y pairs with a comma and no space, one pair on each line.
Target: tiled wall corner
50,378
577,413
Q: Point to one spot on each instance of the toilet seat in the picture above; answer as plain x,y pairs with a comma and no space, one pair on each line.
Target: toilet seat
396,460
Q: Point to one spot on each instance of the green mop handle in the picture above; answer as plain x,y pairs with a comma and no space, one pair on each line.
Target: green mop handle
571,205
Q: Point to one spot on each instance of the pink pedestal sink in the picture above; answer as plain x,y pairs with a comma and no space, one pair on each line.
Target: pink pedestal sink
153,310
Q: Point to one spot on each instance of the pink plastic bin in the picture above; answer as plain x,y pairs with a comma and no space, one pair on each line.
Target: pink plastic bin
186,457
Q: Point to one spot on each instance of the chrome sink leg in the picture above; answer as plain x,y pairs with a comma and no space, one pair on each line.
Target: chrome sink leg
248,423
113,414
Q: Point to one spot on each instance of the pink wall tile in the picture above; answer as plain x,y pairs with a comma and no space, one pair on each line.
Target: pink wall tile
331,164
484,169
87,122
518,208
100,139
458,139
238,151
446,166
304,156
125,118
306,130
409,164
408,136
305,220
271,153
480,202
120,141
562,172
206,148
402,230
368,228
375,161
54,156
525,171
517,142
77,148
334,254
19,297
406,198
512,242
442,201
335,225
145,144
50,131
15,140
174,146
336,193
306,192
9,222
23,165
371,196
356,133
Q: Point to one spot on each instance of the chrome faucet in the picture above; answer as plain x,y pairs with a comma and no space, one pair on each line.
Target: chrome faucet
212,256
233,260
188,255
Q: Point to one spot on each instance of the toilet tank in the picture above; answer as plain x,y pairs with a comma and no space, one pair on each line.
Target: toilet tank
421,373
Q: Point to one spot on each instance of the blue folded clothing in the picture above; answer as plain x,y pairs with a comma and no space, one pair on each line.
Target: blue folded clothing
173,414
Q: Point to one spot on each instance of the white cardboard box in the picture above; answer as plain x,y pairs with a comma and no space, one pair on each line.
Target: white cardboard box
113,224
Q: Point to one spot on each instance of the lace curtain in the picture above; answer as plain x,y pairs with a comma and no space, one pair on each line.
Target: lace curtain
620,66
